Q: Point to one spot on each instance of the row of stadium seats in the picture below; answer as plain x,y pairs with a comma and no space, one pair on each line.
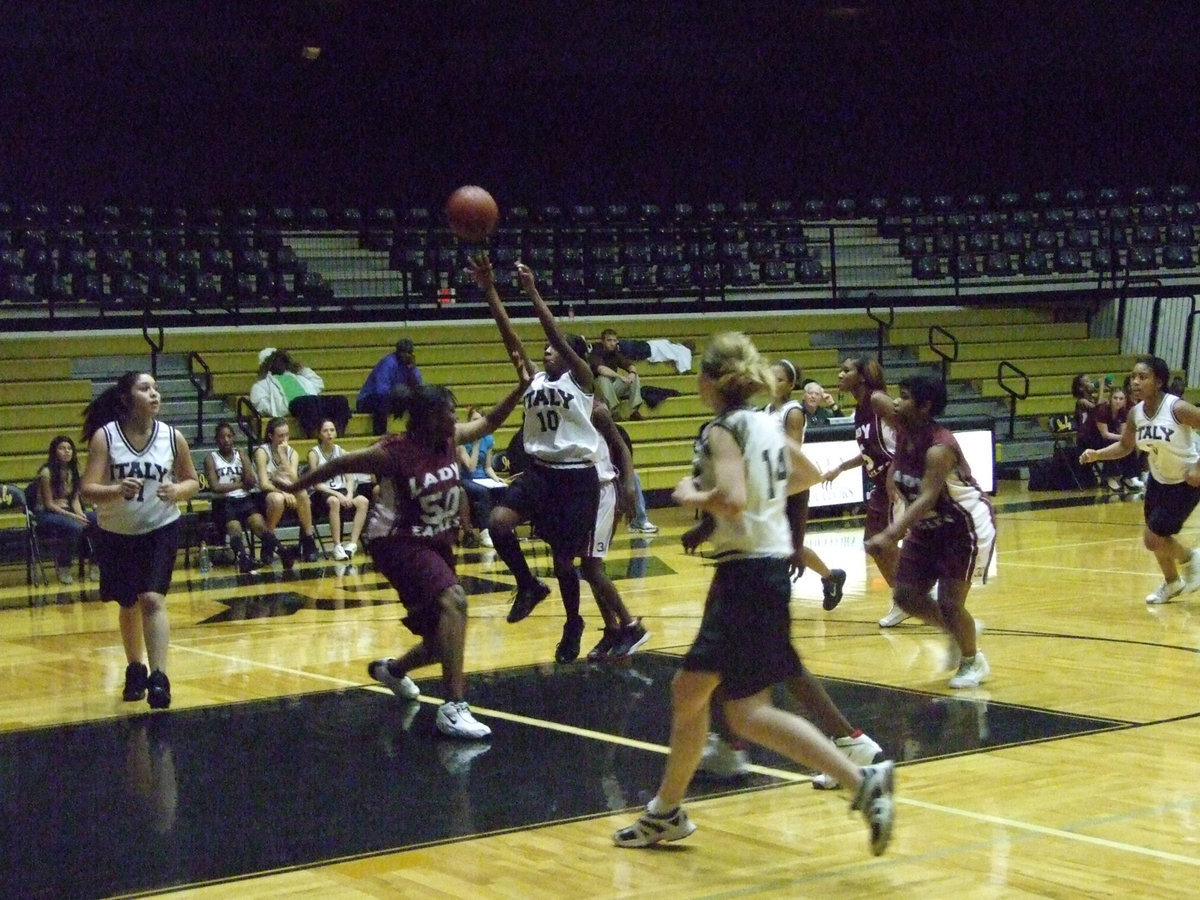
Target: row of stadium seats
1064,261
316,216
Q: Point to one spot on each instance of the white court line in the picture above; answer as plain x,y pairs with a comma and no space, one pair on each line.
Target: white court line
763,770
1052,832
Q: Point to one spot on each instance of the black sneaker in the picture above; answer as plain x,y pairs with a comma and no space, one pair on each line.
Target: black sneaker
158,693
568,647
525,599
604,646
287,556
135,682
832,588
308,548
246,563
630,638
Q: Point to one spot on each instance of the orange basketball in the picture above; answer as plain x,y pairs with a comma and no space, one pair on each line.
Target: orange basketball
472,213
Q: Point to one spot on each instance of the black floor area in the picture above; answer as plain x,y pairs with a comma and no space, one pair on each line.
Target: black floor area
162,800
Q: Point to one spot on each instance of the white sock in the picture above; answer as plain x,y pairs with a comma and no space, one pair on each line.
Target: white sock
657,808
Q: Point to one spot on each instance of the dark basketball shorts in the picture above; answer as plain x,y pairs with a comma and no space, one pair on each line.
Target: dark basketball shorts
561,504
951,551
879,511
234,509
746,633
420,571
133,564
1168,506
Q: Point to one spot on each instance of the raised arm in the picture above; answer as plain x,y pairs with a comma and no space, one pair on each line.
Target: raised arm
469,432
580,368
480,269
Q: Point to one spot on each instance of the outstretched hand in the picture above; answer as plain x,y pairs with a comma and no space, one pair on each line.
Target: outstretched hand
525,276
524,372
480,269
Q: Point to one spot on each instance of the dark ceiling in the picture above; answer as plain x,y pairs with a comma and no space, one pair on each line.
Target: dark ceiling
588,101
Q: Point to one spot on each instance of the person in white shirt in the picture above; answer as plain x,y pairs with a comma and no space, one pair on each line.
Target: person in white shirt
138,472
339,493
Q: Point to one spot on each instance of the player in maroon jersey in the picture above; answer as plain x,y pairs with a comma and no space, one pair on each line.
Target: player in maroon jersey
410,536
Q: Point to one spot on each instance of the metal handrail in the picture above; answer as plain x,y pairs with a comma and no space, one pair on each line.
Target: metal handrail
155,348
1013,396
946,359
249,422
203,383
881,325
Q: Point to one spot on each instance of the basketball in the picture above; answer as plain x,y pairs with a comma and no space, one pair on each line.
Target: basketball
472,213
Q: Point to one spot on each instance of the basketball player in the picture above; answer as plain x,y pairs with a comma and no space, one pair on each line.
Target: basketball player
875,431
138,472
744,469
789,413
410,536
947,526
1162,425
559,491
231,478
277,465
623,634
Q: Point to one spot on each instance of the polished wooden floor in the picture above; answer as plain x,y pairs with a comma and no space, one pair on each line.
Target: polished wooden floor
1073,771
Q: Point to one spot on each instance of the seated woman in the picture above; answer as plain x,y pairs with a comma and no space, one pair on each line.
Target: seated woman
1110,420
338,493
59,510
285,387
475,463
230,479
277,466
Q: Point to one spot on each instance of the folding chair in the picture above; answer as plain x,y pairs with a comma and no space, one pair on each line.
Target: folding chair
13,498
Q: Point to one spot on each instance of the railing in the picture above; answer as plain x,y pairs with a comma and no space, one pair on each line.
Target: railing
1013,396
249,422
881,325
202,382
947,358
155,346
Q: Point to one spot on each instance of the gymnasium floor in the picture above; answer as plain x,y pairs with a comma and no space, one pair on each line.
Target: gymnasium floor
280,770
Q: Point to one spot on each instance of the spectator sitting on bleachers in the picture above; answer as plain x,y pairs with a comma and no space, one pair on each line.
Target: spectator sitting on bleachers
399,367
277,466
286,387
58,507
479,478
607,361
230,479
819,405
339,493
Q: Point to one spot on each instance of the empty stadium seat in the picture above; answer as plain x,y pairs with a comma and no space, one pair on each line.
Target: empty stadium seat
1035,262
1142,258
1068,260
998,264
1178,256
927,266
775,271
964,265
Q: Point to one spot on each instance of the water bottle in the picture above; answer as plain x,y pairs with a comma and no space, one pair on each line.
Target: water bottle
205,560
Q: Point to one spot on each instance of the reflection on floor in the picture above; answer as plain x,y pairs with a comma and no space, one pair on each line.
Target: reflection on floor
175,798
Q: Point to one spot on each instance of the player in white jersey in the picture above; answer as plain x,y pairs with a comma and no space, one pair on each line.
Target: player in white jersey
745,468
138,472
230,479
623,634
790,415
340,493
559,492
1162,425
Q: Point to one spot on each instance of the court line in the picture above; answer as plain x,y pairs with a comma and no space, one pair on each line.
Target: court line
781,774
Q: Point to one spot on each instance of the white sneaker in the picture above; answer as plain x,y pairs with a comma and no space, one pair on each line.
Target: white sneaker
1166,591
860,750
1192,579
455,720
485,539
894,617
1135,484
646,527
721,760
339,553
953,653
971,672
350,548
403,687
